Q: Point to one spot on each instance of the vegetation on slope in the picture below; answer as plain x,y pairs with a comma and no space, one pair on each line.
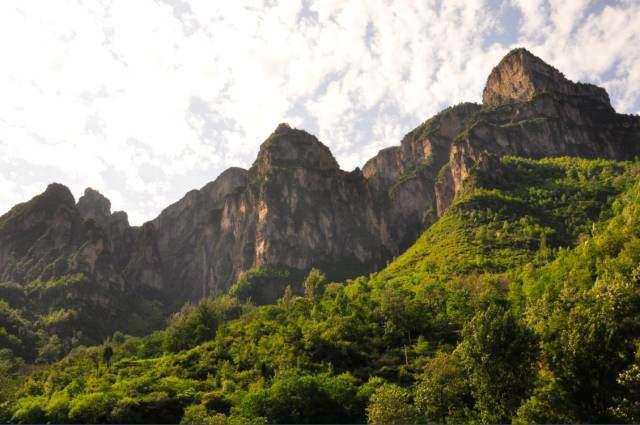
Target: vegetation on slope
521,304
42,321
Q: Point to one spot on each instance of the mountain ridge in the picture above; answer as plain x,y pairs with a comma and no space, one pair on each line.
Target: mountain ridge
492,257
295,208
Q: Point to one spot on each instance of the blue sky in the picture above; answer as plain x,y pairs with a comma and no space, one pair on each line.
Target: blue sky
145,100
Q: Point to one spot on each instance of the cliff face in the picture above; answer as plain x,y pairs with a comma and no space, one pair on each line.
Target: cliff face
520,76
530,109
192,242
406,175
50,236
295,208
36,236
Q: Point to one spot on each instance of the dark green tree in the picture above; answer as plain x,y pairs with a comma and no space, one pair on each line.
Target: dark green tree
443,394
499,354
107,354
391,405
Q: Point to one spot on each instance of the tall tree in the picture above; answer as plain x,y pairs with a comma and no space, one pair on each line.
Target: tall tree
499,353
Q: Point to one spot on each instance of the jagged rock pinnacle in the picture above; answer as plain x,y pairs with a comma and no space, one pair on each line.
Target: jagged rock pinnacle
521,75
287,147
94,205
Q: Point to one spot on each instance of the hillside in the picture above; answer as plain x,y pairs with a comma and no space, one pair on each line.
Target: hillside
508,323
515,211
484,270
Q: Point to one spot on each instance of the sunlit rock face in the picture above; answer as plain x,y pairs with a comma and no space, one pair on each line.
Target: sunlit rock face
295,208
521,75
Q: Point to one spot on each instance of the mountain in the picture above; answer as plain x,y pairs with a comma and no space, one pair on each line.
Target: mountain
295,209
298,210
520,304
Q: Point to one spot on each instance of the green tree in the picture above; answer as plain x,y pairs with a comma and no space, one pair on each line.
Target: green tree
287,297
548,403
390,405
499,353
196,324
588,344
51,351
198,415
296,397
58,407
314,284
107,354
627,407
30,410
91,408
443,394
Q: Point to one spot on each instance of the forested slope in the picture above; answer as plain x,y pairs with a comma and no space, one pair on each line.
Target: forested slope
520,304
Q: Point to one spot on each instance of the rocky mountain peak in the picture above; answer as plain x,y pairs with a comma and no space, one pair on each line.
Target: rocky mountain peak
283,127
94,205
290,147
521,75
41,207
58,193
228,181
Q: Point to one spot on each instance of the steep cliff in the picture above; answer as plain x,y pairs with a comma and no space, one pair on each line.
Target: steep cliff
293,208
296,209
37,237
405,175
531,110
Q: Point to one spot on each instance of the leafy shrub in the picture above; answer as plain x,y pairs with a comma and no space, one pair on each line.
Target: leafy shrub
391,405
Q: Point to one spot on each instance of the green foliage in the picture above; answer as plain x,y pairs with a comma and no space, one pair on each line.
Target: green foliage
43,320
30,410
390,405
501,223
295,397
58,407
627,407
443,393
198,415
498,353
314,284
547,404
521,304
196,324
264,285
91,408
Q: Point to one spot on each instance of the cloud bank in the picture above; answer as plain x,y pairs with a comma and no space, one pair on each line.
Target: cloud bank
145,100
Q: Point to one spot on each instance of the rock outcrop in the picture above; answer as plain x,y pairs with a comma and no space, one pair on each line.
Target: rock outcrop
520,76
94,206
406,174
295,207
530,109
37,236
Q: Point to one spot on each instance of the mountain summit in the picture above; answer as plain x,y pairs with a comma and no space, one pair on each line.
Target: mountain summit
521,75
290,147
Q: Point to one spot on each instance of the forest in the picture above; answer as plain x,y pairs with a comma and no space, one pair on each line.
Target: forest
521,304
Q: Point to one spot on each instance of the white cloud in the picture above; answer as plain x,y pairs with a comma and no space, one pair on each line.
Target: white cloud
146,100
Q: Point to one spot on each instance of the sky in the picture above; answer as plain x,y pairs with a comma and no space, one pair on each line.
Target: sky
145,100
